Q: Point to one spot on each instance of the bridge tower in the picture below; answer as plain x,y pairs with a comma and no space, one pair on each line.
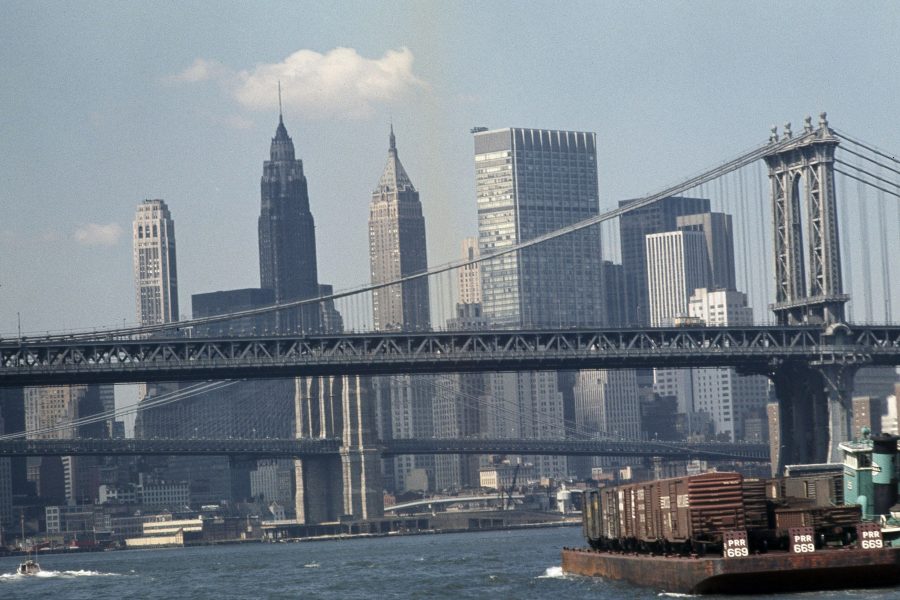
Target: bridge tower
814,398
329,487
802,174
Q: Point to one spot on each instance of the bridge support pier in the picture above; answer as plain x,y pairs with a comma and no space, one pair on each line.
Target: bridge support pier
349,484
814,411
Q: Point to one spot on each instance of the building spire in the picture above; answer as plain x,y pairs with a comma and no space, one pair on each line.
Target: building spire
393,145
280,119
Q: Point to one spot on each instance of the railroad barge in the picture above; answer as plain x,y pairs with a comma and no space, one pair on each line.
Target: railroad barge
776,571
722,533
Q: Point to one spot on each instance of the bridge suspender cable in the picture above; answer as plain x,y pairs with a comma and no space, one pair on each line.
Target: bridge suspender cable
707,176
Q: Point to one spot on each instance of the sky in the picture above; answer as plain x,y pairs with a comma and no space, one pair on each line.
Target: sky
104,104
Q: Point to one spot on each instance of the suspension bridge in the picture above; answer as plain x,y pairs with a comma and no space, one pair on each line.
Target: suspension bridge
812,341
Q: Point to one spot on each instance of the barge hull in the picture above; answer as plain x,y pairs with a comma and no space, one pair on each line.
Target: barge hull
761,573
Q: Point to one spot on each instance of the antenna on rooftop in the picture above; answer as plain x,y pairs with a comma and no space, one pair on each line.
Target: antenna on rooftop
279,101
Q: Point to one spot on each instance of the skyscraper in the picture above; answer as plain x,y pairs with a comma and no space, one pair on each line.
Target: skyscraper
529,182
287,235
727,397
397,249
716,228
676,266
6,484
633,228
606,407
155,272
155,279
459,397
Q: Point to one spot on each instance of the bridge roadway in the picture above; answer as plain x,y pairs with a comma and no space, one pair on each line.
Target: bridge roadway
756,349
309,448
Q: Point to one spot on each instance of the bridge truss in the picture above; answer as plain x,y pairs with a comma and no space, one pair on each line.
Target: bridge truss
755,349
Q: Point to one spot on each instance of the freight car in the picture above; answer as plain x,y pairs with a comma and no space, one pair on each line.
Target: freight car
692,514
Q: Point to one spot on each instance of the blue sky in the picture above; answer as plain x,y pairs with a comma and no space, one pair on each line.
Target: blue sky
105,104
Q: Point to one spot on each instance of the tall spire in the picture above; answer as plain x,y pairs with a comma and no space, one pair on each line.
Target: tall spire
280,119
394,177
282,145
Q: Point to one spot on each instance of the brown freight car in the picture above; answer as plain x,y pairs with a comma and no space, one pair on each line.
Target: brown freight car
686,514
675,513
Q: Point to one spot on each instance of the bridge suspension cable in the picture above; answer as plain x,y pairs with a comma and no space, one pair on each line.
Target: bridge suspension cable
742,160
161,400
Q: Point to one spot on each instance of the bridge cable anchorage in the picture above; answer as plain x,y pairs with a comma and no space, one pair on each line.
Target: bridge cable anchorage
743,160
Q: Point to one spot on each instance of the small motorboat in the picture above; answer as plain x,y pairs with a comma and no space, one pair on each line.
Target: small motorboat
29,567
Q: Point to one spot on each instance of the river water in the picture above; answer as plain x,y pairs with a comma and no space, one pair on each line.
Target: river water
498,565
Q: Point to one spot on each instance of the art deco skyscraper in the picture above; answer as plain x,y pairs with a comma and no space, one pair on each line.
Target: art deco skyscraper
155,272
397,249
155,278
287,235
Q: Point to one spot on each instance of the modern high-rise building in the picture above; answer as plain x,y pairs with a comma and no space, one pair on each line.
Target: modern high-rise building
469,277
676,266
607,406
459,398
6,489
636,225
49,413
717,229
396,249
12,411
155,272
287,236
728,398
529,182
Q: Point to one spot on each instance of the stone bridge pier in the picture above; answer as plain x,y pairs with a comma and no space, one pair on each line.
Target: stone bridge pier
815,407
329,487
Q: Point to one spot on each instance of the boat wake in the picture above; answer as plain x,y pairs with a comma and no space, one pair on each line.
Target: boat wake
553,573
56,574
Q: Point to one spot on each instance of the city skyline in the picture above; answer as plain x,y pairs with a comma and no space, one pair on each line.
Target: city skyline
178,142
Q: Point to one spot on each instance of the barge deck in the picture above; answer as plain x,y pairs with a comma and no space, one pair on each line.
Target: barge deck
847,568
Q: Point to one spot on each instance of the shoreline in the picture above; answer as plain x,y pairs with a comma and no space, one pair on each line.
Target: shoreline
300,540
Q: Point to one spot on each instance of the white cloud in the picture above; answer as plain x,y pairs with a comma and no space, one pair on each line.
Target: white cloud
201,70
95,234
339,83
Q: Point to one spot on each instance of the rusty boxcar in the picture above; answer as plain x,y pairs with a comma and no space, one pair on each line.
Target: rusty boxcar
687,514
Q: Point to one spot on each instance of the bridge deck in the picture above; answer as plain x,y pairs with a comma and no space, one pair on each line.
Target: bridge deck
754,349
310,448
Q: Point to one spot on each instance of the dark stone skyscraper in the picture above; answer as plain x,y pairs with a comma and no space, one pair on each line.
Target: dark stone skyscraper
287,235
